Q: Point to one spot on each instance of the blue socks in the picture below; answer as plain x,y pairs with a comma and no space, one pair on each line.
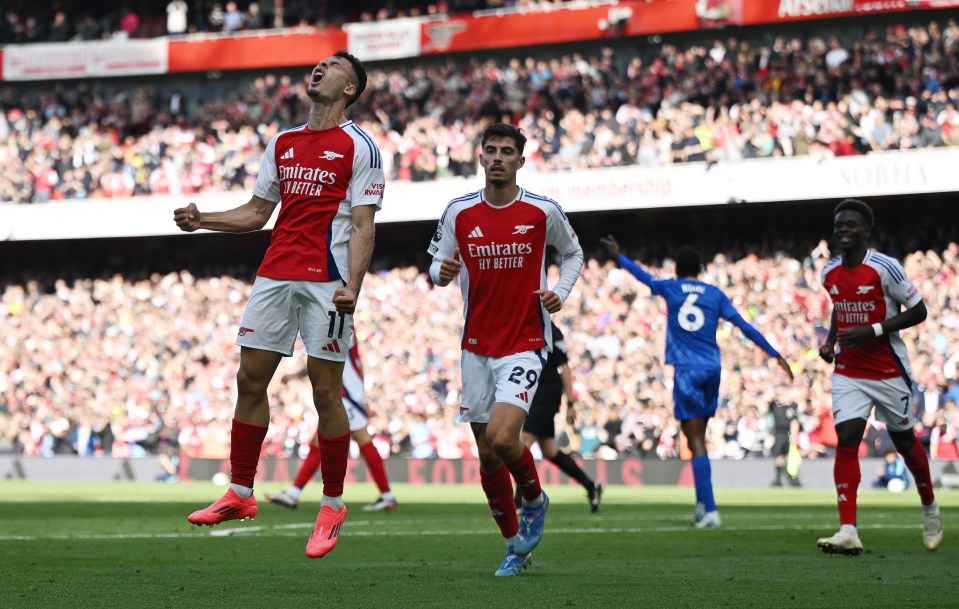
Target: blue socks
702,474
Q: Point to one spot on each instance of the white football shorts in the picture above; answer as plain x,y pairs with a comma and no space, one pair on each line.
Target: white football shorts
511,379
354,400
854,398
279,310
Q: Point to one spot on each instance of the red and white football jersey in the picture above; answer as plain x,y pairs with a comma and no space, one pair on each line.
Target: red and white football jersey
317,177
868,294
503,251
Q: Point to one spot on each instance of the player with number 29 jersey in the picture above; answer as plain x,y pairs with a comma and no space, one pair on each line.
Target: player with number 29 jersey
504,253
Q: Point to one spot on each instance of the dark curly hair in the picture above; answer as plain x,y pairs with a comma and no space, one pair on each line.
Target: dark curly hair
688,262
859,207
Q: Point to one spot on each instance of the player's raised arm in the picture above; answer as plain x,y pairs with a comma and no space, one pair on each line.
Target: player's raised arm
730,313
612,246
250,216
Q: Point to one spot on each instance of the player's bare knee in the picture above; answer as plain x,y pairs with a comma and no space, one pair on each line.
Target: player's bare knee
250,386
324,397
503,444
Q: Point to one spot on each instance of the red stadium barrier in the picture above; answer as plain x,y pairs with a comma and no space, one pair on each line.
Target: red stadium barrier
396,39
293,48
756,12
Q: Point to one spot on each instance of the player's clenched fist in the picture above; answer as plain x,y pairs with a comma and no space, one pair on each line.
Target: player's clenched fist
187,218
551,300
450,267
827,352
344,299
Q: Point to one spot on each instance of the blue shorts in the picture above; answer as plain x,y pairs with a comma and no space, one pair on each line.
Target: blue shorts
695,393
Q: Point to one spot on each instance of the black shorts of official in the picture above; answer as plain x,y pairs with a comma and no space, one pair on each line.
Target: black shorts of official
542,412
781,445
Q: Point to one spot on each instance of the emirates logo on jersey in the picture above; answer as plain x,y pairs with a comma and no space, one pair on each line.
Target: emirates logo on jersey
497,256
854,312
302,180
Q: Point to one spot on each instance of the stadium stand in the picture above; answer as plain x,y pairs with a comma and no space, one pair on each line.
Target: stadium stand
164,314
163,375
734,99
26,22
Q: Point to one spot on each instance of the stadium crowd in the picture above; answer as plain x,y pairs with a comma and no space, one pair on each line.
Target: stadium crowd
25,22
137,365
895,88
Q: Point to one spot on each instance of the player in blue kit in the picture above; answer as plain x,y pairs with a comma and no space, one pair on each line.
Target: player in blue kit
694,309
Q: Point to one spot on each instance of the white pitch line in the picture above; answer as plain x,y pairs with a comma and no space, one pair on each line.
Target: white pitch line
287,531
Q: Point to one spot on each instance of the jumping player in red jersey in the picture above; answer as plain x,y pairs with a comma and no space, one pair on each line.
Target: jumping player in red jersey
354,401
868,290
497,237
327,178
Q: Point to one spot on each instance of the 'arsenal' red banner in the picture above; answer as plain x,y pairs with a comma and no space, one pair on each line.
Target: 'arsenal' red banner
773,11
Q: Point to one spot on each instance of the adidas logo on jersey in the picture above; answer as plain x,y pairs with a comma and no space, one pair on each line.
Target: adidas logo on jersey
331,156
476,234
332,347
287,155
834,291
523,395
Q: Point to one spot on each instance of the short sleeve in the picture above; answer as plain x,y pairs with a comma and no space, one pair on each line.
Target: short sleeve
897,285
444,239
559,232
368,181
267,181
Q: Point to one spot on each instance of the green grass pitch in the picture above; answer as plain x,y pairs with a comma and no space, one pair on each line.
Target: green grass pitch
128,545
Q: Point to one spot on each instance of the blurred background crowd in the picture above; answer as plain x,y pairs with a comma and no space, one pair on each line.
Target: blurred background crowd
130,365
140,360
26,22
890,88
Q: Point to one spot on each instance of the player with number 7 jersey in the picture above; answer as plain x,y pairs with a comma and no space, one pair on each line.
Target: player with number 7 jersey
693,310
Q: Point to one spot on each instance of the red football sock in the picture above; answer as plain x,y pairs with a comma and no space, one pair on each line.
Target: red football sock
374,463
499,494
918,464
334,453
847,476
245,446
308,468
526,476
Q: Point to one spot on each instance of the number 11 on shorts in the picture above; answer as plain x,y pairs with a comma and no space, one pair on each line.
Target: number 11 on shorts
333,317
